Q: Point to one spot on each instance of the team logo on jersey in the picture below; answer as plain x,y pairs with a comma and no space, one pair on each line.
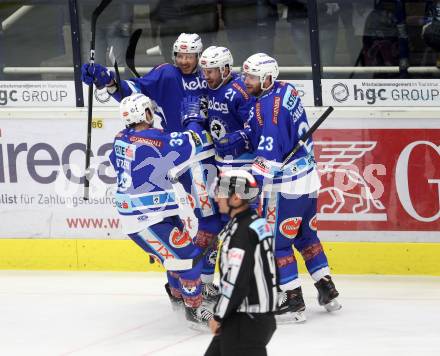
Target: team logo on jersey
289,227
179,239
212,258
313,223
217,128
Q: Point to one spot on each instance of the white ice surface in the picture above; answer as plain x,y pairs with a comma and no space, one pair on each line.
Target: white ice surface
68,313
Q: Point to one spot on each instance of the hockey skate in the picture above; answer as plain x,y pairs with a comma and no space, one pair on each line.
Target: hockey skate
176,303
210,292
291,307
327,294
199,317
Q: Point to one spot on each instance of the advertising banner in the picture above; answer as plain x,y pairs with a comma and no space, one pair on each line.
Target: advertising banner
37,94
374,181
102,98
379,179
62,94
380,92
42,175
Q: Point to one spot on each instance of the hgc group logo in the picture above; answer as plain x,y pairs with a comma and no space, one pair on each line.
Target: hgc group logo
340,92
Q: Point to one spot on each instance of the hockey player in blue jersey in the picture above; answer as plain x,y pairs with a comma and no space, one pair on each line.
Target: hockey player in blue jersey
166,84
289,193
194,185
228,101
143,157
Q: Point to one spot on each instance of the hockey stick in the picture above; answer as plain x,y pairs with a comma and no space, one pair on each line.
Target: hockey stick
99,9
131,50
306,136
112,57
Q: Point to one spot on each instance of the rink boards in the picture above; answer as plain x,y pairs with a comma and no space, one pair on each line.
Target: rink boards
379,206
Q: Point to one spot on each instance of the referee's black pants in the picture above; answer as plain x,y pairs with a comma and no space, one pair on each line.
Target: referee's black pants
243,334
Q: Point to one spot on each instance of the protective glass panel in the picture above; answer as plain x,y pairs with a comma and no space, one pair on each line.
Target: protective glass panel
35,41
379,38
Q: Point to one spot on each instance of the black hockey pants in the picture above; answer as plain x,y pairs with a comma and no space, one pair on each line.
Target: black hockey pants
243,335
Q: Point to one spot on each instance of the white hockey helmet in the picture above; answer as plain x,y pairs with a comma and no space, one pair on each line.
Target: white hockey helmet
262,66
216,57
132,109
235,181
188,43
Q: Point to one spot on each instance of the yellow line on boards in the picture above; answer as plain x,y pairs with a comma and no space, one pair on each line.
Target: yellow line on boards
125,255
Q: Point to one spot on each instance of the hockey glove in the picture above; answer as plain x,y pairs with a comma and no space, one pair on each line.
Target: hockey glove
96,74
232,144
190,111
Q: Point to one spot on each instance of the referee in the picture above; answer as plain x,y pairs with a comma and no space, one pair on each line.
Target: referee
243,322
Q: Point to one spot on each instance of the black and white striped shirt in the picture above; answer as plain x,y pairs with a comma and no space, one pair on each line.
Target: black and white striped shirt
247,267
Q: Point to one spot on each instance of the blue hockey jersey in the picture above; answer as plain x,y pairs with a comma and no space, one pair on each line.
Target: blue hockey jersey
142,161
193,178
166,85
228,110
276,123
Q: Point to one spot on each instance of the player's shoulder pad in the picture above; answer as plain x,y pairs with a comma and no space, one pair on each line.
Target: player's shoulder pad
165,69
164,66
261,228
290,97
